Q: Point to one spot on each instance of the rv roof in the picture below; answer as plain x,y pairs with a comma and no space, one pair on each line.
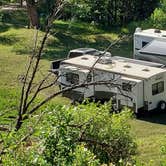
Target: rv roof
120,66
136,61
83,50
152,33
75,68
130,79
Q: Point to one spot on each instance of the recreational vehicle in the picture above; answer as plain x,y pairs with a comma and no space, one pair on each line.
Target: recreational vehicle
150,45
133,83
74,53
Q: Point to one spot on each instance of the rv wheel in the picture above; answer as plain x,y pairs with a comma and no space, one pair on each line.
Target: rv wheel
60,87
162,106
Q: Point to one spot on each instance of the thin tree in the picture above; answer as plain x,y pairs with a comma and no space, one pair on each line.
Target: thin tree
27,105
32,69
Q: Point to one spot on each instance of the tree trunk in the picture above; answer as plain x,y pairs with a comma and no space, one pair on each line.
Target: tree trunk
21,3
18,123
33,15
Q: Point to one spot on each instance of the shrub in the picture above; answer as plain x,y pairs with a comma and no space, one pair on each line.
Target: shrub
158,18
105,136
86,134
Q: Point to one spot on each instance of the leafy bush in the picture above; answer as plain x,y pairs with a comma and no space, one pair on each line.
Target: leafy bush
86,134
82,156
105,136
158,18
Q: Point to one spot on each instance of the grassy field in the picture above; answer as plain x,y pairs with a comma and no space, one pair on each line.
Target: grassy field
150,133
15,46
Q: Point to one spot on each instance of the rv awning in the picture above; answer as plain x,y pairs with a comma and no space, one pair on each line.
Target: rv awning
156,47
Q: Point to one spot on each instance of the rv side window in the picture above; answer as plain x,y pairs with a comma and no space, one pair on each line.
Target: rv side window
144,43
56,64
72,78
157,88
126,87
89,78
74,54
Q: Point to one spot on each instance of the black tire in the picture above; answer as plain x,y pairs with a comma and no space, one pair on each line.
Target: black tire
161,105
60,87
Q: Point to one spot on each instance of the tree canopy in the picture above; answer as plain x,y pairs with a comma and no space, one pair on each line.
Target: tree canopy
102,12
110,12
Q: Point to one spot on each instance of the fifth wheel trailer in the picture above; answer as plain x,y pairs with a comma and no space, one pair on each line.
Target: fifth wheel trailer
150,45
74,53
130,82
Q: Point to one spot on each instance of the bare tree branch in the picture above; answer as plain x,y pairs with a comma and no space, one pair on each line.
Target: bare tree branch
37,91
26,90
69,89
25,100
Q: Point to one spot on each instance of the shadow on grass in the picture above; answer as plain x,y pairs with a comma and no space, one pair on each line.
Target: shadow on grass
76,28
66,42
70,35
4,27
56,50
154,117
8,39
15,17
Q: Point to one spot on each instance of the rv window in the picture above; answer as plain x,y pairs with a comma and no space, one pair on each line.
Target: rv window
72,78
74,54
56,64
144,43
126,87
89,78
157,88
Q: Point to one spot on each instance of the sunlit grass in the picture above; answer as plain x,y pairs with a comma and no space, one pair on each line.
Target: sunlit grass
150,132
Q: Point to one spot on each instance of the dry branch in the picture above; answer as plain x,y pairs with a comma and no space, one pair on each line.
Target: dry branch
36,56
26,101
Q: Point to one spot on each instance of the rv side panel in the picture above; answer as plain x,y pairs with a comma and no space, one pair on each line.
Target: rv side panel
155,90
105,91
139,95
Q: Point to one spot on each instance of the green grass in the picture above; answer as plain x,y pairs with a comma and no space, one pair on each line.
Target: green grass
15,46
74,35
150,132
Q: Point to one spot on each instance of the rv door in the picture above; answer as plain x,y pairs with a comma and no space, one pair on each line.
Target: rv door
87,77
130,94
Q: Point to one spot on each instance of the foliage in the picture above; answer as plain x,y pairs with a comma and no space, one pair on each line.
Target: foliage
44,9
102,12
21,148
109,12
104,135
83,156
158,17
86,134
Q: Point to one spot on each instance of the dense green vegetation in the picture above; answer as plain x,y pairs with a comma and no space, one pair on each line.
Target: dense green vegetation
110,12
15,46
93,127
102,12
72,135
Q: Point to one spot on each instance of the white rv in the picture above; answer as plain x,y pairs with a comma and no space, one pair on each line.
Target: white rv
150,45
130,82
